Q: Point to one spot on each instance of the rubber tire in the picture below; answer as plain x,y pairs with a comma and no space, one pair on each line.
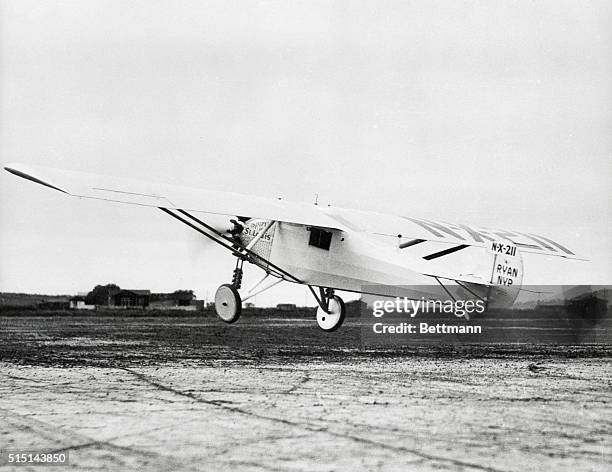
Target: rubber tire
228,303
322,314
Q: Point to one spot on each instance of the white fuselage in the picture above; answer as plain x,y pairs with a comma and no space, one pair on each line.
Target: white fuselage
351,262
360,262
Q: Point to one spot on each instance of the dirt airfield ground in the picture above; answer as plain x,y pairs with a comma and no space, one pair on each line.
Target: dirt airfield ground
144,393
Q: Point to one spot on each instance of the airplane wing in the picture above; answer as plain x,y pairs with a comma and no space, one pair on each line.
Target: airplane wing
433,239
136,192
416,235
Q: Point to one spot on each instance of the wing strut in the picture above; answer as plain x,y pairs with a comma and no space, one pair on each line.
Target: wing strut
445,289
462,285
240,251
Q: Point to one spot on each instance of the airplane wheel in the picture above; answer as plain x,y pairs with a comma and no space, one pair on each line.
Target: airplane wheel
228,303
333,320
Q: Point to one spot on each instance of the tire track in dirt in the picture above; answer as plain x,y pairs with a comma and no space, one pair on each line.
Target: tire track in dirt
312,428
68,440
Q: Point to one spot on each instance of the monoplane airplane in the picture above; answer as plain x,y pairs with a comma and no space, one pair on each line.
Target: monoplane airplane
328,248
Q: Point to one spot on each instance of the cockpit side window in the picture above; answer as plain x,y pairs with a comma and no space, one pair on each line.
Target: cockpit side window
320,238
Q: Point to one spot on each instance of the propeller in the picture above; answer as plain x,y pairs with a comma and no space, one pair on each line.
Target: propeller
232,229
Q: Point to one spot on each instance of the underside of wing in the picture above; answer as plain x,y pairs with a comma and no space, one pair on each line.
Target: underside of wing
137,192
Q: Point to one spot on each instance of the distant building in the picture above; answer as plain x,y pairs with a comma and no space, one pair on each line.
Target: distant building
78,303
588,306
179,300
286,306
55,303
132,298
355,308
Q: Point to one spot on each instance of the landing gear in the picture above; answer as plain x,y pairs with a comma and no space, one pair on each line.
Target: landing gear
331,311
228,303
332,320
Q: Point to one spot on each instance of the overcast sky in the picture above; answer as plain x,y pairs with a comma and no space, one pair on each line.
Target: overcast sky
490,113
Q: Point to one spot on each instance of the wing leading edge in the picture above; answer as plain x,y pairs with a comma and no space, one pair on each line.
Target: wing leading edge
137,192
